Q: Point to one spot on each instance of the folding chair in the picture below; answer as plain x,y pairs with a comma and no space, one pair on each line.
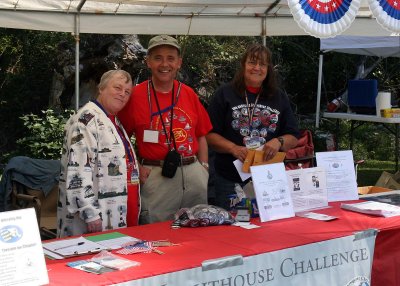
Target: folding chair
302,156
28,182
45,207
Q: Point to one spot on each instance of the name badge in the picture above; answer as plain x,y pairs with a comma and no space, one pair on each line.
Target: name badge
150,136
135,177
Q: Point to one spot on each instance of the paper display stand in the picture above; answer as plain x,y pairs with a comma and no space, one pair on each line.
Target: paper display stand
21,261
272,192
340,174
308,188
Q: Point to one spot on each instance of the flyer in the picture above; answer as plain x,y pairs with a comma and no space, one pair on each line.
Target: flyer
340,174
272,191
308,188
21,260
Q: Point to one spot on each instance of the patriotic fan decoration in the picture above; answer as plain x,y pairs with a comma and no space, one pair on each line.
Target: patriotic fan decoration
324,18
387,13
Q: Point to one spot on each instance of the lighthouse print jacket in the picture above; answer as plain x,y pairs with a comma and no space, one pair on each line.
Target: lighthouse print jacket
93,175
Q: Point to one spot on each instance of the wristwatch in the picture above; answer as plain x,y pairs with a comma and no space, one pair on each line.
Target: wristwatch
281,140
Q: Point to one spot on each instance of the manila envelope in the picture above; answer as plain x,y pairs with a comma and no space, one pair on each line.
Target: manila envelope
248,161
258,158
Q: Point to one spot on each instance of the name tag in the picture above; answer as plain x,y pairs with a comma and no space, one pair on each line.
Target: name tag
150,136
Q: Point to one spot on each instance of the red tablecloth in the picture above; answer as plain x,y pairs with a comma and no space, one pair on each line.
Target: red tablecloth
199,244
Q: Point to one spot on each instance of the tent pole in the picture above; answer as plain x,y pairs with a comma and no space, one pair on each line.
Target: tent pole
264,30
77,40
77,71
317,111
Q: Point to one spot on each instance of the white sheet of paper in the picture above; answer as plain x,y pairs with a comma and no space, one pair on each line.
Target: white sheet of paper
316,216
239,164
308,187
21,256
340,174
272,192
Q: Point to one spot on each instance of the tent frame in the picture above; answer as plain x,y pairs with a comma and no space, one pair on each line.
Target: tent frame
381,47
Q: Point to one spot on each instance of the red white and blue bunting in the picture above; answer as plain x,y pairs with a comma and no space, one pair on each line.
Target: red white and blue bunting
324,18
387,13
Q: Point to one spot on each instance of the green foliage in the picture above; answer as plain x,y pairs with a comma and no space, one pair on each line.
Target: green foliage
44,134
27,60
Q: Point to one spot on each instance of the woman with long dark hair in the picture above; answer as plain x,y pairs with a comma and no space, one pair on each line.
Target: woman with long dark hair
249,112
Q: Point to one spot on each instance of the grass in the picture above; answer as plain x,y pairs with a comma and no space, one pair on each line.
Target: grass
370,171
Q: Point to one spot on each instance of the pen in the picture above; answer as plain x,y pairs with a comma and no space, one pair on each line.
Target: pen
79,243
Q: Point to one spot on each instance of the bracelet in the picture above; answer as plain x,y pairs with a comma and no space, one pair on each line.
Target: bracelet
204,164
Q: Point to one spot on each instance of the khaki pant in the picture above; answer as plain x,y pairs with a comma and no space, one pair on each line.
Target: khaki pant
162,197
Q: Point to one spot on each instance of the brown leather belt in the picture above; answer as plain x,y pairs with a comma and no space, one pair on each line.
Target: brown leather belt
185,161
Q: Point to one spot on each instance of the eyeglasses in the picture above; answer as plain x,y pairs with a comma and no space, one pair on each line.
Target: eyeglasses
253,64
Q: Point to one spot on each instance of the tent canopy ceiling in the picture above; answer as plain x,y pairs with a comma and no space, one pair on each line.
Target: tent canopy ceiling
369,46
177,17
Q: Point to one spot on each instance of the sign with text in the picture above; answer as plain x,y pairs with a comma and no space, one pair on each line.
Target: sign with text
344,261
308,188
272,192
21,261
340,174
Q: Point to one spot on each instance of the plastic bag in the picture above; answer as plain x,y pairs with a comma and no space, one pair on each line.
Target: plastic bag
202,215
113,261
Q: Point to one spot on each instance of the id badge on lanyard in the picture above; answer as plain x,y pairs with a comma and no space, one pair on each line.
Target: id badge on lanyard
150,136
253,142
134,173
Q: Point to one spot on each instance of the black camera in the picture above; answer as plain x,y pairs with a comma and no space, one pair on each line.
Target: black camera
171,163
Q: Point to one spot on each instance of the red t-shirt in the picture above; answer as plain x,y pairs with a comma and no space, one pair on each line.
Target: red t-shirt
190,120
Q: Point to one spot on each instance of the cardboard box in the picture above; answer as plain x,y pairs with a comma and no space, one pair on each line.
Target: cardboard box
389,180
372,190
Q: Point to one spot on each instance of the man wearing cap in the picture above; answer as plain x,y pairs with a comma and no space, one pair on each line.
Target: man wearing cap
170,125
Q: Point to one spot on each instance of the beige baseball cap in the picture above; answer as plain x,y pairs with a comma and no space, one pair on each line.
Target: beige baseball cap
163,40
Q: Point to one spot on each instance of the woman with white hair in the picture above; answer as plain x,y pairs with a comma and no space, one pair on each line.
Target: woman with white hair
99,187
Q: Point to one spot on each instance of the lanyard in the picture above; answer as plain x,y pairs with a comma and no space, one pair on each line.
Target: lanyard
159,112
251,112
171,107
128,149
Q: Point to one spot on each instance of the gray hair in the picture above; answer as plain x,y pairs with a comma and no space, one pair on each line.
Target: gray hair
107,76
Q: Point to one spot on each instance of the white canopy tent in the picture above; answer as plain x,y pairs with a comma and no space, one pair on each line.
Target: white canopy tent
370,46
175,17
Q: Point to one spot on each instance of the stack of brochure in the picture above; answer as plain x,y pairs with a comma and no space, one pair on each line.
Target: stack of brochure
373,208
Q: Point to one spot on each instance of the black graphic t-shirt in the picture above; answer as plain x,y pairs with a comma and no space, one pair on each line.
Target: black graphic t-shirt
229,114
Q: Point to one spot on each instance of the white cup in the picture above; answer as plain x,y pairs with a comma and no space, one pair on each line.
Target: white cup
382,102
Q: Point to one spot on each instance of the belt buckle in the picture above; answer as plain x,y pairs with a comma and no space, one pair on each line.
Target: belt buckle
188,160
